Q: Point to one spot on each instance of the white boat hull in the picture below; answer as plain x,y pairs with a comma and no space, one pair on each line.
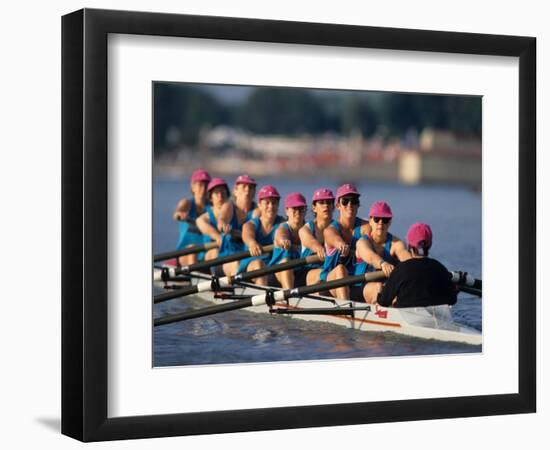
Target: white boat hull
432,322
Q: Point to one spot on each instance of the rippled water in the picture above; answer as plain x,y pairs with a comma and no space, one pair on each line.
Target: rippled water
454,214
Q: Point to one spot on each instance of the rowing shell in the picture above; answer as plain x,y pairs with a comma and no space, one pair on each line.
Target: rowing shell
431,322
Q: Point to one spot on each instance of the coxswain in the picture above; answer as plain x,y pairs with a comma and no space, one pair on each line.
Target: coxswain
260,231
287,240
187,211
311,234
380,250
419,281
341,237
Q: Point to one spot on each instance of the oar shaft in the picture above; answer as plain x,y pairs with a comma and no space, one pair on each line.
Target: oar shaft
184,251
320,287
203,312
247,276
218,261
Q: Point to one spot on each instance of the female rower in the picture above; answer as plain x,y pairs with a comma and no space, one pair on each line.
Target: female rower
419,281
379,250
187,211
260,231
311,234
238,212
215,221
287,239
340,239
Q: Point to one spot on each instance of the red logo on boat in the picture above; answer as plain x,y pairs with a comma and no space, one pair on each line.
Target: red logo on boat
382,314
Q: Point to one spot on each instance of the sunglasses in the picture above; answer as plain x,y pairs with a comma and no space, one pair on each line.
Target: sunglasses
385,220
353,200
301,209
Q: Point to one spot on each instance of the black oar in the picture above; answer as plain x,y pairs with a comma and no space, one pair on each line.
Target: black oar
185,251
217,283
236,234
463,279
271,297
175,271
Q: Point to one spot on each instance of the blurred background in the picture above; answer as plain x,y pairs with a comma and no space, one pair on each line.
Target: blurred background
296,132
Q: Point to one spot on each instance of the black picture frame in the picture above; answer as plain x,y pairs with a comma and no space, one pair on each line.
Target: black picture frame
84,224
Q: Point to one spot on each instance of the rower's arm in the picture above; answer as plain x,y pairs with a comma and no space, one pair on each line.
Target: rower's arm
308,240
282,238
333,239
205,227
366,252
399,251
182,209
249,234
225,216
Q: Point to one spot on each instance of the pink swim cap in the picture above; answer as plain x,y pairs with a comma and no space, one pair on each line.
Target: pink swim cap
295,200
346,189
322,194
380,209
215,182
200,175
420,232
245,179
268,191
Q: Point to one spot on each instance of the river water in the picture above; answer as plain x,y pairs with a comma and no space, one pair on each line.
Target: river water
453,212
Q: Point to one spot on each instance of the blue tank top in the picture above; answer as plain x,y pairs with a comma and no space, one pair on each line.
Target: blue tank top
235,225
386,252
265,239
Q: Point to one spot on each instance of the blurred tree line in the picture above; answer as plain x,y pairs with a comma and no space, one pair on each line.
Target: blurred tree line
181,111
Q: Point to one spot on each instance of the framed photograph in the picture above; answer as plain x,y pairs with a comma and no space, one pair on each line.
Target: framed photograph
178,128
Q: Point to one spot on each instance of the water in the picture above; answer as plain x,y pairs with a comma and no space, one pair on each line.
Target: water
453,212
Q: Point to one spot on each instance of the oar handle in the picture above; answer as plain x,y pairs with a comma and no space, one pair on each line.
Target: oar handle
203,312
218,261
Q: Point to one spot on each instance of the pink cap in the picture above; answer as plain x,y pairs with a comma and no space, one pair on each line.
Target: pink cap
346,189
200,175
420,232
322,194
268,191
380,209
215,182
295,200
245,179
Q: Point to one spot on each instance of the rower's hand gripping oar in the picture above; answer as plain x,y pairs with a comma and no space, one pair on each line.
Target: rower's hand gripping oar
217,283
271,297
193,249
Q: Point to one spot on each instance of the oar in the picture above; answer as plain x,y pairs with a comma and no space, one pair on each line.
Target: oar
271,297
185,251
466,283
217,283
175,271
192,249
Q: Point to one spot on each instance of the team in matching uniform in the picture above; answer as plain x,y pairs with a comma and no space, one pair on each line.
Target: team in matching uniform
346,244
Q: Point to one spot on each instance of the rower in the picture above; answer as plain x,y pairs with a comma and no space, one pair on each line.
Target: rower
287,239
419,281
187,211
239,211
215,221
380,250
340,239
260,231
311,234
